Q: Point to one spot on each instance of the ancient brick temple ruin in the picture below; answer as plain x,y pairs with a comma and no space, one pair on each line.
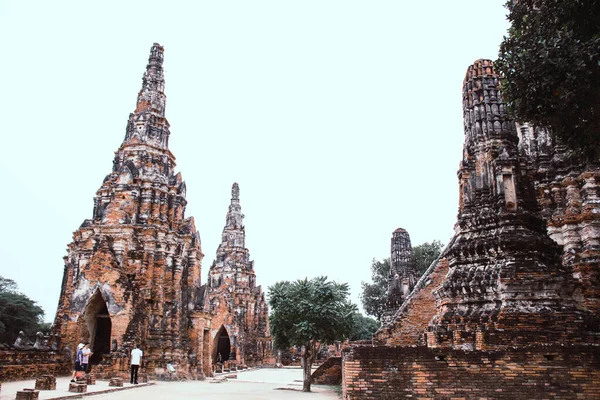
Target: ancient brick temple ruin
510,309
133,271
240,314
403,276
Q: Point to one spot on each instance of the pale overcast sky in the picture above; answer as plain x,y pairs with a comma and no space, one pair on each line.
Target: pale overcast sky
340,120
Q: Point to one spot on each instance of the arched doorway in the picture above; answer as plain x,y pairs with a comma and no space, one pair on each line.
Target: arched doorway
223,347
97,320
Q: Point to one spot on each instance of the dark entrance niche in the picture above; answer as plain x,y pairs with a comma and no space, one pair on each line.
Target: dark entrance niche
97,320
223,345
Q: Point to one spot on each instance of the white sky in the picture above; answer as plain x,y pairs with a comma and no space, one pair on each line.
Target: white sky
340,120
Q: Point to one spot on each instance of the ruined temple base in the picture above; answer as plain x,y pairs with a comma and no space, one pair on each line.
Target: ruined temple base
76,387
27,394
45,382
21,365
527,373
116,382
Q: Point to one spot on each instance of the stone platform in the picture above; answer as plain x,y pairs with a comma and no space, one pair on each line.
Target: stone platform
10,389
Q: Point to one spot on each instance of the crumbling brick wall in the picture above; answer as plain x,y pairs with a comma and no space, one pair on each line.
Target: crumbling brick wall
542,372
27,364
329,373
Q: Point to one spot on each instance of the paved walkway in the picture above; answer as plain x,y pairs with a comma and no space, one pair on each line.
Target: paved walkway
255,384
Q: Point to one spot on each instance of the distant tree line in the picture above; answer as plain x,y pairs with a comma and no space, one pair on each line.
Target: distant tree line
18,313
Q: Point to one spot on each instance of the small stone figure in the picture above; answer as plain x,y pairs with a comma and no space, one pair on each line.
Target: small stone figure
113,347
21,342
39,342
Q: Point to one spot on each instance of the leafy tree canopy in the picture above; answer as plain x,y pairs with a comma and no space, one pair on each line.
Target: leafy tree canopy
310,312
17,312
424,254
550,61
374,295
364,327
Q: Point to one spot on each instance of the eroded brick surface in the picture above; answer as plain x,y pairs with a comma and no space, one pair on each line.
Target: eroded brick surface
20,365
115,381
27,394
45,382
329,373
544,372
78,387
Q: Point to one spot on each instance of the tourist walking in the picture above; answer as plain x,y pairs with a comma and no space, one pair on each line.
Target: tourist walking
77,367
136,360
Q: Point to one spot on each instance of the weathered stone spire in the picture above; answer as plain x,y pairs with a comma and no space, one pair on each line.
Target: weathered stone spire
147,124
234,215
232,254
402,277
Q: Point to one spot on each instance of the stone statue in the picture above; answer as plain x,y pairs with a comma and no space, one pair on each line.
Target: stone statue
39,342
21,342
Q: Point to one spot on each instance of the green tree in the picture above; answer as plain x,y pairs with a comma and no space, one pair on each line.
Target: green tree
17,312
374,295
550,61
424,254
306,313
364,327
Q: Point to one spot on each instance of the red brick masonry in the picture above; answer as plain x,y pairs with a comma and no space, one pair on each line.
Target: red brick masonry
544,372
28,364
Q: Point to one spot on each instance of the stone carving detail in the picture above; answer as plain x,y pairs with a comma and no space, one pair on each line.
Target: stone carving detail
237,304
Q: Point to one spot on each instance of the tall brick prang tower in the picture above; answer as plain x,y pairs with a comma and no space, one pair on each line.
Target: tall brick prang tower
132,272
240,325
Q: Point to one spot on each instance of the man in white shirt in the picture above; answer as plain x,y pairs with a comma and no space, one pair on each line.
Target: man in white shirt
86,353
136,360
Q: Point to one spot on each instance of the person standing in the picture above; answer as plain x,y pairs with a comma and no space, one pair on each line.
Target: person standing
136,360
85,359
77,367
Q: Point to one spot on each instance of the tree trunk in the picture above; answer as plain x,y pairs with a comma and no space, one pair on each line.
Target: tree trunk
307,360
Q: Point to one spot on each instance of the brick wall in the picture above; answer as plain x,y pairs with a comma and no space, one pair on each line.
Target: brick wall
26,364
329,373
544,372
409,326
